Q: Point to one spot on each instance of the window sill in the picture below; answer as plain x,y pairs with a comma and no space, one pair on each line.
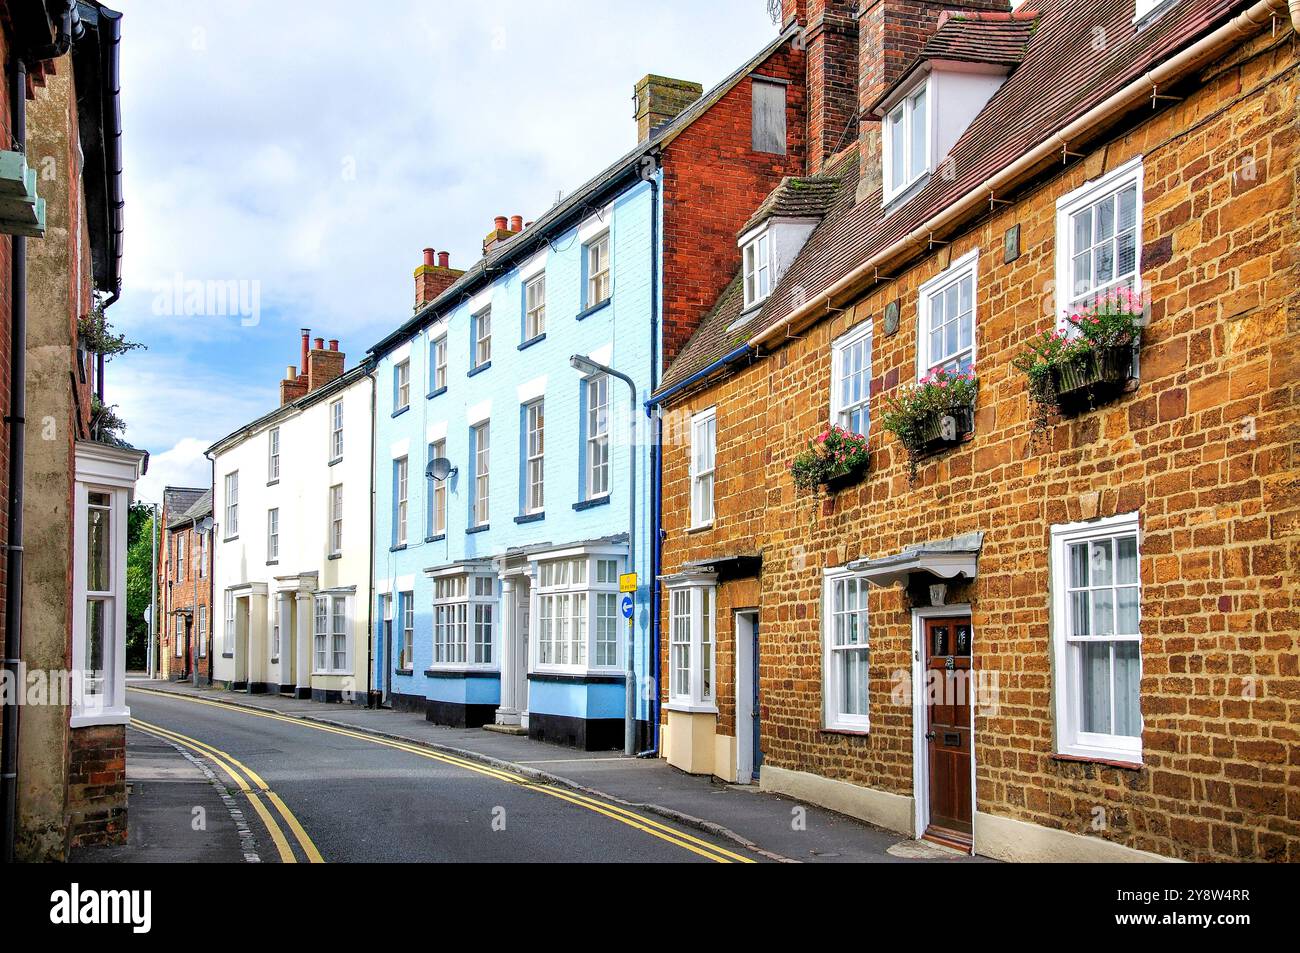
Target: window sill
397,549
334,461
702,528
230,539
401,410
275,660
589,504
334,556
462,671
530,517
273,562
109,716
479,369
435,539
588,312
1098,759
894,201
572,674
403,671
478,529
227,654
538,339
330,673
691,708
275,482
437,392
856,731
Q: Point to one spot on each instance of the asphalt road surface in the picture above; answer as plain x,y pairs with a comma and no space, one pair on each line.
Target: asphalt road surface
312,793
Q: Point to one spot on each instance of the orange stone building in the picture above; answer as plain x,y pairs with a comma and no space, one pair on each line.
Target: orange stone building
1071,633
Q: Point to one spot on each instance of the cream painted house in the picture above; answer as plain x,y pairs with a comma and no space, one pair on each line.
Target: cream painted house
291,501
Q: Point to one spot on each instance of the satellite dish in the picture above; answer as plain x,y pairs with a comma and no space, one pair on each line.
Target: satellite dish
205,525
439,469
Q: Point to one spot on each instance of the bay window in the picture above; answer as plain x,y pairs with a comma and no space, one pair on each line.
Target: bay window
330,635
1096,638
845,652
692,606
464,619
578,620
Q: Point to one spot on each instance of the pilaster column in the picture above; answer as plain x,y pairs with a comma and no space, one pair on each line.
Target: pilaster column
302,639
508,712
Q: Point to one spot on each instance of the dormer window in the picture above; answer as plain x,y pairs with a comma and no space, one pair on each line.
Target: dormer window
907,141
758,269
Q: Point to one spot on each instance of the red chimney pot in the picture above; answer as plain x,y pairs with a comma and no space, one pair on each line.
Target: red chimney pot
444,259
428,257
516,223
306,336
320,344
500,222
334,344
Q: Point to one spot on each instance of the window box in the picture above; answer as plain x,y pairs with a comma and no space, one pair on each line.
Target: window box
835,460
936,414
1096,375
940,429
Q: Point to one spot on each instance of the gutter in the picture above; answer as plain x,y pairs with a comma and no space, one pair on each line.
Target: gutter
113,147
699,375
867,274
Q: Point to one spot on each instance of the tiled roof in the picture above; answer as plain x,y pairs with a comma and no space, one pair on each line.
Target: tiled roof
200,508
999,38
801,197
178,499
1063,75
722,330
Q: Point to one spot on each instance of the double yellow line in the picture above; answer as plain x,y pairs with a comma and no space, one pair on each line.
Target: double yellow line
252,788
614,812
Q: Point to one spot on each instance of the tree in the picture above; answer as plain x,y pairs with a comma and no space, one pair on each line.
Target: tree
139,575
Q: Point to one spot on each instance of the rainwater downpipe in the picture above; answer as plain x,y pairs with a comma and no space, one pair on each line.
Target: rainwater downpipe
654,551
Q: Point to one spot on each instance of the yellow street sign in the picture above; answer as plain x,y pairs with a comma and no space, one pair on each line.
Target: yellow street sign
627,582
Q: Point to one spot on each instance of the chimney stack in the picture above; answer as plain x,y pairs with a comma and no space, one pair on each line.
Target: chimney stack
660,100
434,276
323,365
293,386
501,233
831,73
891,35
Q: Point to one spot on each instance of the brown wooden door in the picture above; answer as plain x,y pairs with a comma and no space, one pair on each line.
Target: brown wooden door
948,728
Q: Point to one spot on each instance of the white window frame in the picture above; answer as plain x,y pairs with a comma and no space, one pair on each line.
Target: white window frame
842,411
203,631
1071,204
273,534
834,716
438,355
569,592
967,266
177,637
535,307
692,638
704,457
596,439
438,494
406,639
483,337
180,556
1144,8
906,102
228,624
402,500
203,555
336,430
756,259
232,504
481,507
106,705
326,641
465,600
336,519
402,385
273,455
535,457
1071,741
600,283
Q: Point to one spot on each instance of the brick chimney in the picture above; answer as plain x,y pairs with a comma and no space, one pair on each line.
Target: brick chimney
323,364
503,230
294,384
434,276
831,73
660,100
891,34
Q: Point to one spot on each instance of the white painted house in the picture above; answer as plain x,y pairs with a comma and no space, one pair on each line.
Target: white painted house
291,500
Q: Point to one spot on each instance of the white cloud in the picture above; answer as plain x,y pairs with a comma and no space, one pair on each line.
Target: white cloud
182,465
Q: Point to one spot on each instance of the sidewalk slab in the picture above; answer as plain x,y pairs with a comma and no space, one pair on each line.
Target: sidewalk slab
779,827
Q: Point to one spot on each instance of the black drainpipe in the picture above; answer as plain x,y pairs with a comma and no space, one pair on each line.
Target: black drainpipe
17,449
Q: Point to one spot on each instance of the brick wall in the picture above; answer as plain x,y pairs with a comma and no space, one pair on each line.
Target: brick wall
712,182
97,786
1204,450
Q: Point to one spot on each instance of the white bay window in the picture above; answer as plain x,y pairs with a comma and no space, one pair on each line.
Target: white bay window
464,619
578,621
692,603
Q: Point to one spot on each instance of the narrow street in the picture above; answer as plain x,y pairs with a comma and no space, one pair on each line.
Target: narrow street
318,793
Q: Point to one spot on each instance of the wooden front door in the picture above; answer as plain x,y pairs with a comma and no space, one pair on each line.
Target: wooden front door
948,728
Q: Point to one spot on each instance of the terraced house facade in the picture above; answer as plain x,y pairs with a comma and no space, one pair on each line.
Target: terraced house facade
514,475
1056,620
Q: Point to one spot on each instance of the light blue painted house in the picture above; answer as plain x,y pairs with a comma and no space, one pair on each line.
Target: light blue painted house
498,586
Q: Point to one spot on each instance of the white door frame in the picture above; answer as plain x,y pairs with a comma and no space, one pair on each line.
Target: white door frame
746,622
920,763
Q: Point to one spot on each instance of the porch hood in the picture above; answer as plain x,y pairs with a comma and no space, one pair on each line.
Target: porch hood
945,558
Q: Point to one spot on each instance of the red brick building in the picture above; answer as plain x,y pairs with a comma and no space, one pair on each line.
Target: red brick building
185,585
1062,628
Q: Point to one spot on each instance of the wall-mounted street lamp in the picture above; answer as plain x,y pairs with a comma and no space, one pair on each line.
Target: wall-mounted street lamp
589,368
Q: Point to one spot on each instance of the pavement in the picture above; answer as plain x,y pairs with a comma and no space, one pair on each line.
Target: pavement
739,818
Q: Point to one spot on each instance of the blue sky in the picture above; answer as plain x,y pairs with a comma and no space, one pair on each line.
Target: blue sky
309,152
